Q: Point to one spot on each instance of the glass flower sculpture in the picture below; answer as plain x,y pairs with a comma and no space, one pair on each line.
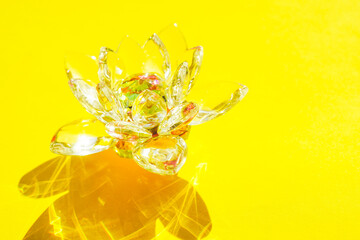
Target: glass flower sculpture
141,99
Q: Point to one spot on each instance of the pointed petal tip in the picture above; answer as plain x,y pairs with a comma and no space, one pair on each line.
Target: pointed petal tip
122,40
171,25
184,65
227,93
103,53
158,59
154,35
128,38
244,90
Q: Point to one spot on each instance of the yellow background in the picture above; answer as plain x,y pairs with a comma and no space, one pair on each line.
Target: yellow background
283,164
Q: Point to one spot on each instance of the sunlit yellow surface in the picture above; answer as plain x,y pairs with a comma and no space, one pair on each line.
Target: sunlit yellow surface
283,164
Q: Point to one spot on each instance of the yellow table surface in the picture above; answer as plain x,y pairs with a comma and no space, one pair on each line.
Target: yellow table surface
283,164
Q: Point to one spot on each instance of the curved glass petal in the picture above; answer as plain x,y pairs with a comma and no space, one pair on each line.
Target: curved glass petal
82,137
178,117
110,102
84,82
174,42
194,57
158,59
111,68
87,94
78,66
175,90
228,94
163,155
149,109
132,55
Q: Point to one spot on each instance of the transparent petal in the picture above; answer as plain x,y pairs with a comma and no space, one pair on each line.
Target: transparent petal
149,109
111,68
79,66
110,102
133,85
83,81
175,91
174,42
194,57
86,93
132,55
162,155
127,131
158,59
82,137
228,94
178,117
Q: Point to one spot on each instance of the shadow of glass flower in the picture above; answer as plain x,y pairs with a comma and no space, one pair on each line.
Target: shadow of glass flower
107,197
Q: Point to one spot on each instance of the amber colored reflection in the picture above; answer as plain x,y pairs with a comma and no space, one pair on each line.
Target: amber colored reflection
108,197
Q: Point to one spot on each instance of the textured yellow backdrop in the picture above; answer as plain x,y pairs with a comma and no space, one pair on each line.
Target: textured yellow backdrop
283,164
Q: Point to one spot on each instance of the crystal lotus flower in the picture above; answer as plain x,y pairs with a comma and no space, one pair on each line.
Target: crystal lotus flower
142,96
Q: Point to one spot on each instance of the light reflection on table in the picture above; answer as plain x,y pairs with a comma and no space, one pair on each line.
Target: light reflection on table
108,197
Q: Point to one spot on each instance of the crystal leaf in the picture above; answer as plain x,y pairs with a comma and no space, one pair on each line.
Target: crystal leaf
82,137
133,85
174,42
175,91
228,94
194,57
127,131
149,109
162,155
158,59
178,117
111,68
79,66
86,92
132,56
